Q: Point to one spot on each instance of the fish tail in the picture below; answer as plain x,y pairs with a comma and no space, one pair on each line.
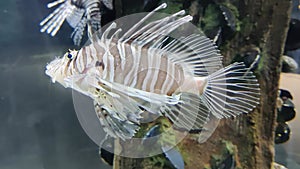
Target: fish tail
231,91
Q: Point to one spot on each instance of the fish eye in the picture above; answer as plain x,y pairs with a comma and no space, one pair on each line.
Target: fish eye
70,56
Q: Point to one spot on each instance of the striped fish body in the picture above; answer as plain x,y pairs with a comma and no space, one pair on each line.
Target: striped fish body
156,74
182,79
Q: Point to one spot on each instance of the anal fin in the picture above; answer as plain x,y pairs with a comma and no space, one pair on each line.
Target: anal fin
190,113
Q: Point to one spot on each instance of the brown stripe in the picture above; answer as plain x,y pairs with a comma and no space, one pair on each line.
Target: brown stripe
162,75
178,79
99,50
75,60
143,69
83,60
117,63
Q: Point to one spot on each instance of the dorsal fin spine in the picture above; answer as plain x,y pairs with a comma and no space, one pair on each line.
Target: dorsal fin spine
124,37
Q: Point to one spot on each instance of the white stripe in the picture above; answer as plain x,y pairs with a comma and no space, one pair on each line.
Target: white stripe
94,53
88,56
169,86
180,76
105,65
157,62
163,87
121,51
139,51
149,72
134,61
112,67
80,63
101,44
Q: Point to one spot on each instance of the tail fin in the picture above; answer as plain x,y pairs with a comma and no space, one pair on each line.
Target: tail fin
231,91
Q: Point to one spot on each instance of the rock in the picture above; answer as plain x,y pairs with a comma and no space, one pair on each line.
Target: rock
282,133
285,94
288,64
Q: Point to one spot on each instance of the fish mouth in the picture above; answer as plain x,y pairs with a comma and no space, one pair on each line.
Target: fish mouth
52,69
50,73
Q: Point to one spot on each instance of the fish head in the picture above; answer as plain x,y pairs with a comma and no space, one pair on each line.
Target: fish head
59,68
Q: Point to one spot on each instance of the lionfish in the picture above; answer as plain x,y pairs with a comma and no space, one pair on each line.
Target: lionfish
78,13
143,70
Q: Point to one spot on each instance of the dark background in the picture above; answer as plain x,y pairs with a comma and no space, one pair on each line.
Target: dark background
38,125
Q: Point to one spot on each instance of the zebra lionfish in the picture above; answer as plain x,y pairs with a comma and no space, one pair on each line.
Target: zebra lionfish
78,13
142,71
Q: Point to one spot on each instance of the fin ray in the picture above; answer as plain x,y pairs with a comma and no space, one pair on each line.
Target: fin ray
124,129
189,51
231,91
52,23
189,113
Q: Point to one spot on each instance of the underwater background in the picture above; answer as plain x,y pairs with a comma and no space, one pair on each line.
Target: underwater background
39,128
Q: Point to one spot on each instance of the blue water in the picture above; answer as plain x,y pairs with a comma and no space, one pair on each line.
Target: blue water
38,128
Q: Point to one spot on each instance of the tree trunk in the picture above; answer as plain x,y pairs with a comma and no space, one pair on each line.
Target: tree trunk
249,139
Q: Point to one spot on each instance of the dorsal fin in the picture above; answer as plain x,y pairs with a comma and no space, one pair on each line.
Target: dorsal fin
75,16
54,21
197,52
154,33
135,27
